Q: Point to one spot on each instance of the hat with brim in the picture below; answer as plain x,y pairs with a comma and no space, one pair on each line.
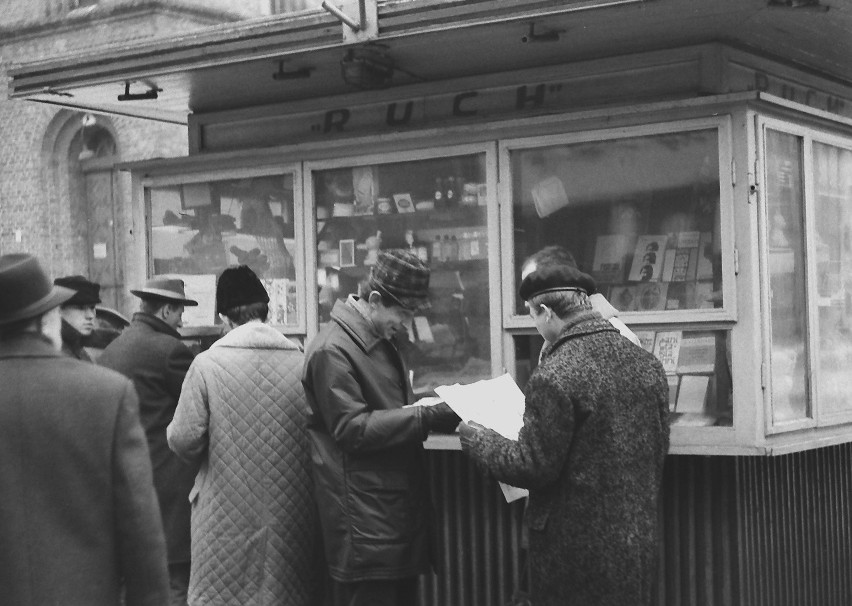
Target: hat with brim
401,278
25,290
170,290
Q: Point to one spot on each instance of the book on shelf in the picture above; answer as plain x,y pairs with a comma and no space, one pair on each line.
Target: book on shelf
683,266
692,393
704,267
704,295
668,265
646,339
697,353
651,296
688,239
667,349
623,297
611,251
673,382
648,257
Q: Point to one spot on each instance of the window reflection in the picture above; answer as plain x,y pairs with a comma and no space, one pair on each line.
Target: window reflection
641,214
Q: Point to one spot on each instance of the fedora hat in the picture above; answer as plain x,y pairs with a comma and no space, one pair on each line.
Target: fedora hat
403,277
88,293
165,289
25,290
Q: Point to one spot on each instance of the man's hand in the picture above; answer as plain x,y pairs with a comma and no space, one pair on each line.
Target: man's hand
440,417
468,432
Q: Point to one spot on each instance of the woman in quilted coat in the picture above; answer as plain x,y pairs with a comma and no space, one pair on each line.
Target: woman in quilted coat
591,449
241,415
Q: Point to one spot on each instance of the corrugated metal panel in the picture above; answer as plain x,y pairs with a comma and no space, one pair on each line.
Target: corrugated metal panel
796,538
479,543
698,546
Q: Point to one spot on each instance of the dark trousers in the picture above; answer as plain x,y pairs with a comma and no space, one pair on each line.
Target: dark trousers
399,592
178,583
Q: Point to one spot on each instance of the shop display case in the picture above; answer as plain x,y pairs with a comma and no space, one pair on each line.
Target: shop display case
642,211
201,224
436,207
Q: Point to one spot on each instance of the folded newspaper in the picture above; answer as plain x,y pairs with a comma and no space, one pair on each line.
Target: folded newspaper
497,404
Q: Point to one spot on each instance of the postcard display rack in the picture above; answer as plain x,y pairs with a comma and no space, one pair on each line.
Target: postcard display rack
437,209
641,214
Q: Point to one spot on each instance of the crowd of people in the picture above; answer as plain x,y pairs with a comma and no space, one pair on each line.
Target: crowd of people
256,473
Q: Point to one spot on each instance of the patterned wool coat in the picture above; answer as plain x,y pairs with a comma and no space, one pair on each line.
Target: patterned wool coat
242,416
591,452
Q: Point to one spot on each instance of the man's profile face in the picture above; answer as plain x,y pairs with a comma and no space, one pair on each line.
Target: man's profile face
173,315
80,317
389,320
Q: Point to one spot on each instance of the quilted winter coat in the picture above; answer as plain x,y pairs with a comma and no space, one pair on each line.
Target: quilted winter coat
591,452
241,415
367,453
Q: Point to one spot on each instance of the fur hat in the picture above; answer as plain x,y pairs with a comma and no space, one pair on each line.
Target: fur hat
238,286
88,293
165,289
25,290
401,276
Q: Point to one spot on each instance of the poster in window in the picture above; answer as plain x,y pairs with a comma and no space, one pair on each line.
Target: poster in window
667,349
648,258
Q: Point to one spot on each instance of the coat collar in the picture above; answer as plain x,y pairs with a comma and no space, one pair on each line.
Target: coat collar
71,336
256,335
28,345
585,322
355,325
140,317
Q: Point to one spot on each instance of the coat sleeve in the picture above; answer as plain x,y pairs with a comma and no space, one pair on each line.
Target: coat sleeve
351,421
537,457
188,433
177,365
140,542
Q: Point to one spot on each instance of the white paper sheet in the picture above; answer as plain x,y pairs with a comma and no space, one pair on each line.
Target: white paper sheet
497,404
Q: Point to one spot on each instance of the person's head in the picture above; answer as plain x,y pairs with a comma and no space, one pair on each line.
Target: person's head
28,300
164,298
241,297
650,257
646,272
652,247
553,289
79,310
398,287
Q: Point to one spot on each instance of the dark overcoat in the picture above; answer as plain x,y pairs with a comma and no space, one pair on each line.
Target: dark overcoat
150,353
77,505
366,452
591,452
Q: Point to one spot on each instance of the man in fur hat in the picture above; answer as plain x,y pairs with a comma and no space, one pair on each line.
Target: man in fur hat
151,354
78,314
78,511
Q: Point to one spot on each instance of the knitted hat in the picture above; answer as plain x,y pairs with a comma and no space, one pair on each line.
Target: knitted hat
88,293
25,290
401,276
238,286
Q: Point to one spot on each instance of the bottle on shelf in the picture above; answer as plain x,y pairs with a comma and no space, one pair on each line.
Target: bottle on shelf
438,195
437,256
450,193
446,249
454,248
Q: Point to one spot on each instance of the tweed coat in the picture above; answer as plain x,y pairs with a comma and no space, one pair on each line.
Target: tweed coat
242,415
591,452
77,505
366,451
151,355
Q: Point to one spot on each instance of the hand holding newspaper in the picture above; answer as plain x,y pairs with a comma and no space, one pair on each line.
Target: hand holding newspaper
497,404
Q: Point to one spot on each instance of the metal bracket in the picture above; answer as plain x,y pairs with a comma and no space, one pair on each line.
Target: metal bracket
361,28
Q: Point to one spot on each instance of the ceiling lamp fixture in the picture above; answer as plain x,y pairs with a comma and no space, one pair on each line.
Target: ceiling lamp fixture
367,67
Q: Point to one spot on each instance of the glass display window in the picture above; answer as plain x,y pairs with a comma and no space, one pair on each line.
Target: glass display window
697,365
200,227
436,207
808,257
640,211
